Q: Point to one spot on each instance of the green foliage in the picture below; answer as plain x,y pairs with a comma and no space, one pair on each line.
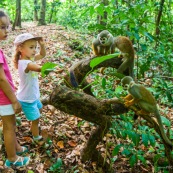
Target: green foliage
96,61
122,127
30,171
165,89
47,68
56,167
76,45
153,51
154,59
138,25
69,14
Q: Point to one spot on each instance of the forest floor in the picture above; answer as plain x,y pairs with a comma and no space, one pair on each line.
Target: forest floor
67,134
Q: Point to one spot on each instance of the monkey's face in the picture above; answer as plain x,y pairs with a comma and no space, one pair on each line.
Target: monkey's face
125,81
104,38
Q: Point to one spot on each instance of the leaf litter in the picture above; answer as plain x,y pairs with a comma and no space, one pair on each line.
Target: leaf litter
65,134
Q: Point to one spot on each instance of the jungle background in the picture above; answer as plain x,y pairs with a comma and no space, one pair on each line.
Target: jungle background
68,28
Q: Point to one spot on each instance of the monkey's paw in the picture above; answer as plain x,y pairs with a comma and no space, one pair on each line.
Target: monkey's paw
126,99
128,104
123,98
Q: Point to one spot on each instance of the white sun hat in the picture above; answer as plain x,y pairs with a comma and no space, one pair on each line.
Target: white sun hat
24,37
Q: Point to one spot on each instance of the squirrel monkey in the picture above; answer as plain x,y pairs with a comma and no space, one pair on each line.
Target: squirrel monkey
125,46
103,44
146,101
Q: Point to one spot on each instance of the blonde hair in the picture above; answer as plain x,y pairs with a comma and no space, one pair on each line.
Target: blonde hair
16,56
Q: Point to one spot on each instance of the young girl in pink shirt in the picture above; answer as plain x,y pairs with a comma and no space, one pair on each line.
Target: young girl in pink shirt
9,105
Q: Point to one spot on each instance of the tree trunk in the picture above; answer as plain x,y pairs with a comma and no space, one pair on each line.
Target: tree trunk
94,110
102,19
35,10
17,21
158,20
52,10
42,13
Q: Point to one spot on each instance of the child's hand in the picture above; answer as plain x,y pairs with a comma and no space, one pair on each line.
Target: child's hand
41,42
17,107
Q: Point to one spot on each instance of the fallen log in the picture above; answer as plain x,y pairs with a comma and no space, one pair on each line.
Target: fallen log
84,105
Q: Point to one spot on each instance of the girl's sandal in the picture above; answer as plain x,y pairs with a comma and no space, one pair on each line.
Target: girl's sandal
20,162
24,150
40,141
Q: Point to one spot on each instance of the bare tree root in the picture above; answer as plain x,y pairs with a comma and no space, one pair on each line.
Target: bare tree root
90,152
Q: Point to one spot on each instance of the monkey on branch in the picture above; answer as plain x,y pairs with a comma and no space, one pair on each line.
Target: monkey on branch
105,44
145,100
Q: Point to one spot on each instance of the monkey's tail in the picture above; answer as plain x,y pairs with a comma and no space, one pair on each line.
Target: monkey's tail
73,79
157,114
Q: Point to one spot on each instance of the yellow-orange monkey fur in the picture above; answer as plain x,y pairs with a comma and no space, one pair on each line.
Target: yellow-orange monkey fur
145,100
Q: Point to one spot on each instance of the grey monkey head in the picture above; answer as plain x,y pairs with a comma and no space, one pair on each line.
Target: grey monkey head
125,81
104,37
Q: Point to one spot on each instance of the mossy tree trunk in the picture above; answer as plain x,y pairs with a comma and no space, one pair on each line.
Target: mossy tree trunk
85,106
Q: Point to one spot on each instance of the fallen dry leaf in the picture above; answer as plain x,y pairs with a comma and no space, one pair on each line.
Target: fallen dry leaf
28,139
40,167
60,144
72,143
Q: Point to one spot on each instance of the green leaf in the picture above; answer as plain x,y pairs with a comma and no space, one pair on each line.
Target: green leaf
135,138
57,165
76,171
124,134
169,95
47,67
149,36
156,158
124,22
30,171
141,158
137,36
129,126
145,139
166,121
18,121
96,61
126,152
119,89
116,150
133,160
92,11
104,83
129,133
152,140
143,47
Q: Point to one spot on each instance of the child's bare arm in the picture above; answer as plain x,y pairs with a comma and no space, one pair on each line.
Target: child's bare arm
33,67
5,86
42,52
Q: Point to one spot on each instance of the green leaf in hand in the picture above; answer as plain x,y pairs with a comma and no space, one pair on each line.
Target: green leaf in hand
47,68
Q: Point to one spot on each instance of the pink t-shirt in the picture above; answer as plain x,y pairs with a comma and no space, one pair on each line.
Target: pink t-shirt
4,100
